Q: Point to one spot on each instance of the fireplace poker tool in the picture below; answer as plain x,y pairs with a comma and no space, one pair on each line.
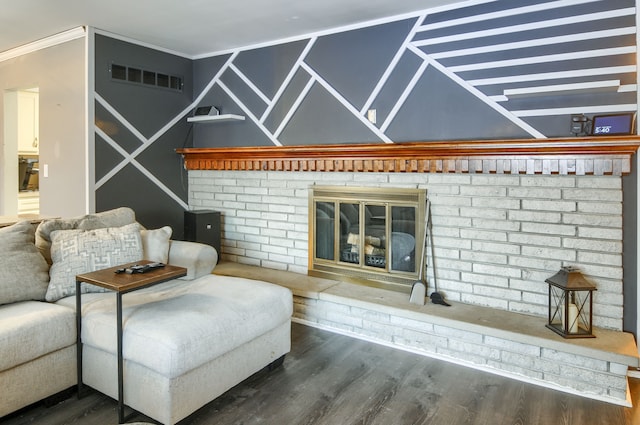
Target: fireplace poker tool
419,288
436,297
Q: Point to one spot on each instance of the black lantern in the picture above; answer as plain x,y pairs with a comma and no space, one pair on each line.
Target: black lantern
570,304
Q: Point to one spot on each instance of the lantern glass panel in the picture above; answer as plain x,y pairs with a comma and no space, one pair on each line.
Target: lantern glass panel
570,312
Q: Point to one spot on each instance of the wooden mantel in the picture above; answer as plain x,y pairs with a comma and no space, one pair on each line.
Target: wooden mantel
581,156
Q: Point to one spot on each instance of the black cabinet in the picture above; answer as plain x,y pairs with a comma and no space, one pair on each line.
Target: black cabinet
203,226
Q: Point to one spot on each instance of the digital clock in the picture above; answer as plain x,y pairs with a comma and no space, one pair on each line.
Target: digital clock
610,125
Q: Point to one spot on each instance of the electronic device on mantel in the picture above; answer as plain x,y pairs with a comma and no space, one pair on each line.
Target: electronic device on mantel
613,125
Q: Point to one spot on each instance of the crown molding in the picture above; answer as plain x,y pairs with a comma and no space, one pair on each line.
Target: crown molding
43,43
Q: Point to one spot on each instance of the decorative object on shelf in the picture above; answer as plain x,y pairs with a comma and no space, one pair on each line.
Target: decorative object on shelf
218,118
206,110
570,304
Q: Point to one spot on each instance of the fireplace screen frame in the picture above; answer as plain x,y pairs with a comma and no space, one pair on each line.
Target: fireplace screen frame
359,267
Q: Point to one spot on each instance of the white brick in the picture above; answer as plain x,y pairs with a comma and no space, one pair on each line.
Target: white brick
599,258
605,195
535,239
535,192
452,200
487,235
593,245
548,181
273,265
618,369
554,206
458,334
550,253
549,229
600,182
501,248
506,203
514,347
474,349
534,263
272,249
257,254
283,242
593,220
535,216
452,243
491,191
599,233
503,294
497,270
612,208
477,256
484,279
575,360
446,179
495,180
461,356
282,208
249,230
450,221
495,214
422,340
233,205
509,226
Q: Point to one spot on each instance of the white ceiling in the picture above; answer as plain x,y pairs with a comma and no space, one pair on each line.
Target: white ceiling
194,27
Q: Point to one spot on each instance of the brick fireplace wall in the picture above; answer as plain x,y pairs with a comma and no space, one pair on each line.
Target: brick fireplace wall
497,237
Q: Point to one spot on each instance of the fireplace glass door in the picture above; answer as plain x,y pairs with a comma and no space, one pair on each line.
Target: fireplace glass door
368,234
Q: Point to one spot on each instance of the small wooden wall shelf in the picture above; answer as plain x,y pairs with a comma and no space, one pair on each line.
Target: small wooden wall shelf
596,156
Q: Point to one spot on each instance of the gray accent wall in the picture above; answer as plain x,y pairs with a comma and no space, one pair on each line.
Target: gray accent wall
435,76
139,128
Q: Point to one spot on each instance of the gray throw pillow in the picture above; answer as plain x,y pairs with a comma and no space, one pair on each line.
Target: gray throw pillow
81,251
23,271
155,244
111,218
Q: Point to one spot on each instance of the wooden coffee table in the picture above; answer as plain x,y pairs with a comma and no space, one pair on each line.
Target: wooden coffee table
120,283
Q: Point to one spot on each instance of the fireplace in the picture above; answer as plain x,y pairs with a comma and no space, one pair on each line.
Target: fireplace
367,235
506,214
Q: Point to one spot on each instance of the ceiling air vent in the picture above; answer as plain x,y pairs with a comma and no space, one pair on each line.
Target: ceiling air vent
146,77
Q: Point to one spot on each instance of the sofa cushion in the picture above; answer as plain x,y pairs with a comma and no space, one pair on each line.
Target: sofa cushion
176,326
112,218
23,272
31,329
155,244
80,251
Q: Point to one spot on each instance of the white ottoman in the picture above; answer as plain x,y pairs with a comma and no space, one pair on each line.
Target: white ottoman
184,342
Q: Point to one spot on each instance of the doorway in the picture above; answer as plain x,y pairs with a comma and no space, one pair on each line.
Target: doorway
22,152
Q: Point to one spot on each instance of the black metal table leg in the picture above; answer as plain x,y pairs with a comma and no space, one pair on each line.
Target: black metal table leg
121,417
78,338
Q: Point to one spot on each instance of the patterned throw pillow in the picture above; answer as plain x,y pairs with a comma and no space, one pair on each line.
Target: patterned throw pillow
111,218
81,251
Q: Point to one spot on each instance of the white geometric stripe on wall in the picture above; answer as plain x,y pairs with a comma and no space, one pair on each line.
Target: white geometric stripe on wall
516,74
515,59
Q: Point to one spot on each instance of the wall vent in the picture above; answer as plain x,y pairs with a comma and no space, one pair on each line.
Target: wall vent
145,77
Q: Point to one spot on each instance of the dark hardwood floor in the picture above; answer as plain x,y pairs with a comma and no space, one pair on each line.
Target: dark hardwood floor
332,379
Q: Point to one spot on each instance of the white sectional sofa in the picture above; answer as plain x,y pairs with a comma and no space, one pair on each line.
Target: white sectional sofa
185,342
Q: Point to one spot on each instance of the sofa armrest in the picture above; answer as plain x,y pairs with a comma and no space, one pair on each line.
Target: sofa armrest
199,259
